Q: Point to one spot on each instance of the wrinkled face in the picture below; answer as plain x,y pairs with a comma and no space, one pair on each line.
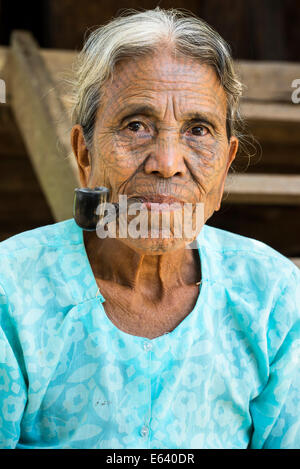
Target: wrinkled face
160,135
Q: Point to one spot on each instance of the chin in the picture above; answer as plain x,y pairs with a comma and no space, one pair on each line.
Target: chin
156,246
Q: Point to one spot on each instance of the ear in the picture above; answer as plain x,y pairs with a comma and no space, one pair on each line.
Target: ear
232,151
82,154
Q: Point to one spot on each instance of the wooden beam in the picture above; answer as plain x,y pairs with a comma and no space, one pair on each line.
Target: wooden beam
44,124
262,189
59,64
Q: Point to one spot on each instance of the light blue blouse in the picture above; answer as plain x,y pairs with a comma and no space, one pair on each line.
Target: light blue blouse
226,377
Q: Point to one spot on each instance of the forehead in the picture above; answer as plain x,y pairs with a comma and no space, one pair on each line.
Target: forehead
155,77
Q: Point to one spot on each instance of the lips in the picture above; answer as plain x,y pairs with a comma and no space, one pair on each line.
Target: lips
156,199
157,202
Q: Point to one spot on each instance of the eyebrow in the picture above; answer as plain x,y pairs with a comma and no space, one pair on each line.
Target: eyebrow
209,118
192,116
134,110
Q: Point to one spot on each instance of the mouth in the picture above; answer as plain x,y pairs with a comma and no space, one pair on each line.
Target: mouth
157,202
156,199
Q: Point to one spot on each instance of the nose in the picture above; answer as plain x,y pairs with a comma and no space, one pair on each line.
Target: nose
165,159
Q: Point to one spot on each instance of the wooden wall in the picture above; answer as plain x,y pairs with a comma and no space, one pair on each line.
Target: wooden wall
256,29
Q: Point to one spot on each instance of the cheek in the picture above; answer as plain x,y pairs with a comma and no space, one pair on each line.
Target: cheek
208,162
116,159
126,152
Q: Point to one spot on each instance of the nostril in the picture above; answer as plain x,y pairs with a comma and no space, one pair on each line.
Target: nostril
162,174
164,167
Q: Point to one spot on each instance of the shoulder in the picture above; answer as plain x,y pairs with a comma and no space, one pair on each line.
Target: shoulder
48,236
262,286
43,272
243,250
227,241
47,255
246,263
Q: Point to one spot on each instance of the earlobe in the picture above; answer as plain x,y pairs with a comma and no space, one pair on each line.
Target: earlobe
81,153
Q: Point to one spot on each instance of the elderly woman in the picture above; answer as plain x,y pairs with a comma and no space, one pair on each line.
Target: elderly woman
140,342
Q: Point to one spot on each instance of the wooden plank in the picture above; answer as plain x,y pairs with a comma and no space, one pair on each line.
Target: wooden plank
268,81
271,112
283,131
273,122
44,124
262,189
296,261
270,158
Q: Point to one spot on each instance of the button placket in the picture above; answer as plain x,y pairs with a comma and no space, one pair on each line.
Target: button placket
147,346
144,431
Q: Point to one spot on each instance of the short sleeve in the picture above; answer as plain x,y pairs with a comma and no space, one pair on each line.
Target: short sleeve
276,411
13,394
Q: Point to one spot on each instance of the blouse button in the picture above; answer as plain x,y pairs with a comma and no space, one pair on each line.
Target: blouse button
147,346
144,431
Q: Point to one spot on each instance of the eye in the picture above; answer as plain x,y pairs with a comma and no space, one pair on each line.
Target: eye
199,131
135,126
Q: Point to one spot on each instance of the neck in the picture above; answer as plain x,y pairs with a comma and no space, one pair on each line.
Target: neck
155,275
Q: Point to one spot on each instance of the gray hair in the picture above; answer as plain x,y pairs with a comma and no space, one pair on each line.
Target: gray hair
137,33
